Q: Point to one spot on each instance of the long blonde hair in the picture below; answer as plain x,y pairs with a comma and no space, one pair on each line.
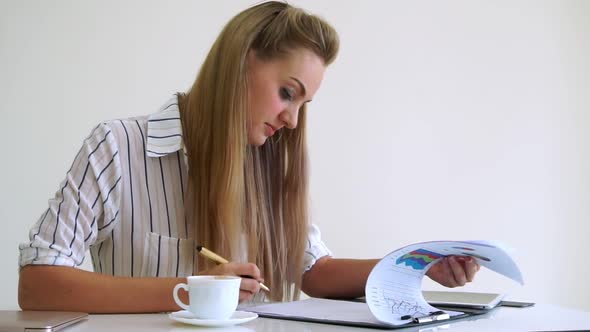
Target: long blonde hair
240,190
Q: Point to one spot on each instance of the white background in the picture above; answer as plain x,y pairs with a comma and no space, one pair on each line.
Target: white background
439,120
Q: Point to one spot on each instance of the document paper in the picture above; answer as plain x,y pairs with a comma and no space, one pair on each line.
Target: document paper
393,289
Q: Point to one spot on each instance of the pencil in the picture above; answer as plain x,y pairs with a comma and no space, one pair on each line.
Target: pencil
215,257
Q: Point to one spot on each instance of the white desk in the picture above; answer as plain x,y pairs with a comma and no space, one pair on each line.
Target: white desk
537,318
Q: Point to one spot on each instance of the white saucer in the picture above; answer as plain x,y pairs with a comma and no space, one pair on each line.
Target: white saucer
187,317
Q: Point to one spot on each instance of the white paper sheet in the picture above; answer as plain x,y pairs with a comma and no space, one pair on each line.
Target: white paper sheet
393,288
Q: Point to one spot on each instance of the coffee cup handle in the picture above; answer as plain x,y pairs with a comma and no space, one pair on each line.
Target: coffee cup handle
175,294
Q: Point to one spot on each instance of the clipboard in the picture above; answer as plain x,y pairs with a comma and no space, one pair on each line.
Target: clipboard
393,296
336,312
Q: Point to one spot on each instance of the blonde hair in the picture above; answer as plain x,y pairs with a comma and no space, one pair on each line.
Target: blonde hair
234,189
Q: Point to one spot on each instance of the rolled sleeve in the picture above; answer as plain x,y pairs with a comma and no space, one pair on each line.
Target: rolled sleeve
315,249
86,200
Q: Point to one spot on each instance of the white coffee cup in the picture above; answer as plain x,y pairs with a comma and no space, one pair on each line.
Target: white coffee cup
210,297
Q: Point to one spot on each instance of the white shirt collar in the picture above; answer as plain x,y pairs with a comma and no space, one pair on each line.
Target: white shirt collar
164,130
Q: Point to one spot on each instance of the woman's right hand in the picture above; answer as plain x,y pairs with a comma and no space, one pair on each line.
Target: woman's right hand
249,272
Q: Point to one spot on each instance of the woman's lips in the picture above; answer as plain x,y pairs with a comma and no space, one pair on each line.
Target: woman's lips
270,130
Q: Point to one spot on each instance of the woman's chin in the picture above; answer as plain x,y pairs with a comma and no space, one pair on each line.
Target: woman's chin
257,141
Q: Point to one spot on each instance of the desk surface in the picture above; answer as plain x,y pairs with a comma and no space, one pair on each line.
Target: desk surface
537,318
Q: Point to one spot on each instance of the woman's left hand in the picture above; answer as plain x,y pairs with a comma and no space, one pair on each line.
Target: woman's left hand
453,271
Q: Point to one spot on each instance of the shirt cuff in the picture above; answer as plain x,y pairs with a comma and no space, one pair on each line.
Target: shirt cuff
315,249
43,256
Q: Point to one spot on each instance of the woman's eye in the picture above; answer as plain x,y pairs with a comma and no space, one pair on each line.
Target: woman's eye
286,94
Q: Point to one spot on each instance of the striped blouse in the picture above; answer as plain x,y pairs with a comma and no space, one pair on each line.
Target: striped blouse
122,199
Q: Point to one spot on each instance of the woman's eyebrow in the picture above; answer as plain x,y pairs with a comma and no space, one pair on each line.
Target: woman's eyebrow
301,85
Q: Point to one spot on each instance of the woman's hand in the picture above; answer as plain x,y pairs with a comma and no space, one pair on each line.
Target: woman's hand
249,272
453,271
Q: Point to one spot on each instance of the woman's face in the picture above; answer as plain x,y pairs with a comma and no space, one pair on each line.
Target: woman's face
277,89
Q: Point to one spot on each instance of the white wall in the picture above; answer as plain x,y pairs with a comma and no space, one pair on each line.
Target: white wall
439,120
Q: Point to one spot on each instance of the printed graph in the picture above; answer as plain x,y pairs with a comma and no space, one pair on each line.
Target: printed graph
418,259
464,248
400,307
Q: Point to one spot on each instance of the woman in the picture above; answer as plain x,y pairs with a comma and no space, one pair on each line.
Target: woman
223,166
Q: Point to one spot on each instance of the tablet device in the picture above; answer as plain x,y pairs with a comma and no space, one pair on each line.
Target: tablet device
463,299
41,321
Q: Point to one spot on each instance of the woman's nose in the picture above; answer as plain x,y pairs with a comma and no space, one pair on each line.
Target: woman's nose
289,117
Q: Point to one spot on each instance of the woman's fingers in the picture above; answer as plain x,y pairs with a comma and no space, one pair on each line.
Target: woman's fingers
248,289
471,268
248,270
250,285
457,271
441,272
454,271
